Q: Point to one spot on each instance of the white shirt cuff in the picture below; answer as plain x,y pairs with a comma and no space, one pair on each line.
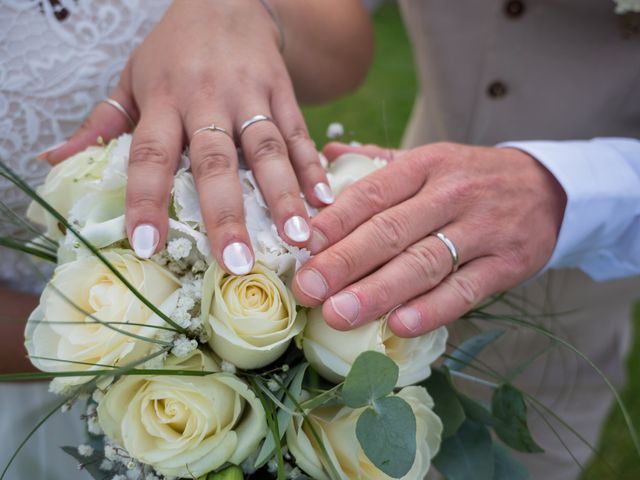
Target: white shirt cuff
600,232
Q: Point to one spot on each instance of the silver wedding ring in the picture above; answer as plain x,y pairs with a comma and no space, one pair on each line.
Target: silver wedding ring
118,106
212,128
452,249
254,119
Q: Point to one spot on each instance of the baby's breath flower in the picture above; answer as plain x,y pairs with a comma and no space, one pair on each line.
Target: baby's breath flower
186,303
199,266
228,367
182,346
97,395
85,450
93,426
110,452
335,130
179,248
106,465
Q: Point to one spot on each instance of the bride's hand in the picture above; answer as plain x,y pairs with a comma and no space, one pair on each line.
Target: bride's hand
375,249
211,62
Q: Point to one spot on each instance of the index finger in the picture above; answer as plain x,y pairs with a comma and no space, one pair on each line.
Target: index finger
376,192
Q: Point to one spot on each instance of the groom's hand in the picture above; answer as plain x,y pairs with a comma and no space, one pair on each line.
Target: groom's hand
375,250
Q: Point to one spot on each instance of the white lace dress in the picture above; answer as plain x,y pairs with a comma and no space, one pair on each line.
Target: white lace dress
58,58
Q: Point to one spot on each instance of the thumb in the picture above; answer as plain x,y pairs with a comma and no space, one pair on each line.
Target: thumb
334,149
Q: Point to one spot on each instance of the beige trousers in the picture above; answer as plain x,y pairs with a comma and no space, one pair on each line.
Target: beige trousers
594,317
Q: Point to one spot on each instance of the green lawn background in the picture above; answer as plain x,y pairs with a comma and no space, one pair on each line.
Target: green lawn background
377,113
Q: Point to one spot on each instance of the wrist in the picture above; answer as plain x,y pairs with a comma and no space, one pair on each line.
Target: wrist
255,17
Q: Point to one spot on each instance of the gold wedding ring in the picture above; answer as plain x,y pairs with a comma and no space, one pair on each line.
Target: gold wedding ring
212,128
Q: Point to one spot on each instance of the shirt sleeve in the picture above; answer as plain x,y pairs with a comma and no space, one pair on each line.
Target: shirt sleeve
600,232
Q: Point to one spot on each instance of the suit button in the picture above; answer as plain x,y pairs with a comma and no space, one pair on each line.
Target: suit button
497,89
514,8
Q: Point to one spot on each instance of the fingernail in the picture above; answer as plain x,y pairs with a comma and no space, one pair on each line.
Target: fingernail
347,306
237,258
318,241
323,193
43,155
297,229
410,318
145,240
312,284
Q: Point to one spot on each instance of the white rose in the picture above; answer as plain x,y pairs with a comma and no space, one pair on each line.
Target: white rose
184,426
61,328
332,352
65,184
349,168
336,426
252,318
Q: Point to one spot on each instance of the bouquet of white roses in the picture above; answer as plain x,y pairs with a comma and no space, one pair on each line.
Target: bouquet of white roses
189,372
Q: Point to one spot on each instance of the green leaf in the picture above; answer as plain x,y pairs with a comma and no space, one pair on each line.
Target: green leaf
476,411
468,454
229,473
387,435
510,411
372,376
284,416
506,466
470,348
447,406
89,464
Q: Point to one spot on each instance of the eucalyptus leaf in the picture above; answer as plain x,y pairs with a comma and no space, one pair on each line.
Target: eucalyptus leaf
468,454
447,406
387,435
90,464
372,376
510,411
470,348
294,387
506,466
475,411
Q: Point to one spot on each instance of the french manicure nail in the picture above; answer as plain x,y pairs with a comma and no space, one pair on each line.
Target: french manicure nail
318,241
297,229
237,258
312,284
410,318
43,155
323,193
145,240
347,306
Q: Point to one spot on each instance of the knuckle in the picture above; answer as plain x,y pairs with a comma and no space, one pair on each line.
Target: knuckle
333,220
518,256
287,197
372,193
378,297
226,217
342,261
298,135
390,229
212,164
269,147
424,260
465,288
149,153
144,201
